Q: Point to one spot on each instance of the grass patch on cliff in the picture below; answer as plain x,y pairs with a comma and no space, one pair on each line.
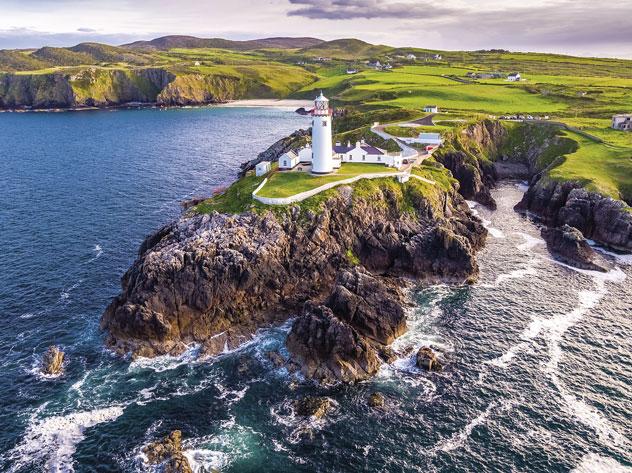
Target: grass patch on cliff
236,199
286,184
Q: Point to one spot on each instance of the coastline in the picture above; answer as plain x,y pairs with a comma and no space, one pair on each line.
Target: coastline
288,104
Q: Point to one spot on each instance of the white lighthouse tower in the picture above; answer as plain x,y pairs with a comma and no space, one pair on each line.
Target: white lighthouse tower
322,160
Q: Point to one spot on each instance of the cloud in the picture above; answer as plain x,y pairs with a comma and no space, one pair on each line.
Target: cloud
86,30
366,9
25,38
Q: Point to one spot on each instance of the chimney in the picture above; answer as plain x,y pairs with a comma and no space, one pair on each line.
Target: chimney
357,144
337,143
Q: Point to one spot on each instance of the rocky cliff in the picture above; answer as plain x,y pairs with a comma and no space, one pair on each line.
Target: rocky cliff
215,278
469,154
599,218
98,87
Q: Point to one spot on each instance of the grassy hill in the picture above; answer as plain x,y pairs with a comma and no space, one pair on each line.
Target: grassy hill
345,49
189,42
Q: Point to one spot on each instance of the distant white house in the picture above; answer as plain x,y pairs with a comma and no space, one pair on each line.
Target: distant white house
387,66
437,57
622,122
411,57
362,152
433,139
431,109
514,77
197,63
288,160
263,168
352,71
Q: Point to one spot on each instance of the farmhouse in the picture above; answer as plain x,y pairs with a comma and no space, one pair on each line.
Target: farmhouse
437,57
352,71
411,57
514,77
325,158
431,109
622,122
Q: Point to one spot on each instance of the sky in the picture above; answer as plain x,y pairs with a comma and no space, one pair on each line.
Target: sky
579,27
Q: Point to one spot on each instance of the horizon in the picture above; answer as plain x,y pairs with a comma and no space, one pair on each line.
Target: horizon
453,26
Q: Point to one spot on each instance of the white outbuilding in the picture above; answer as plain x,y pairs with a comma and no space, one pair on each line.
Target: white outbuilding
431,109
433,139
514,77
288,160
263,168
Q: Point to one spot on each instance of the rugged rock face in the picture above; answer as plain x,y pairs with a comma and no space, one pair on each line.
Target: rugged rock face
376,400
468,160
569,246
214,279
273,153
168,453
52,361
599,218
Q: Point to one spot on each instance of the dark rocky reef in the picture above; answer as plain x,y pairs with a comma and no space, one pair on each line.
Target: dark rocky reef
603,219
294,141
167,453
568,245
427,359
215,279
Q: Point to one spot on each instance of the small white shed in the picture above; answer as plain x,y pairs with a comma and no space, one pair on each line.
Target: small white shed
288,160
263,168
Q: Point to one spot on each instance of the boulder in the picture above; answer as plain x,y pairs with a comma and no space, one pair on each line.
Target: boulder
568,245
312,406
376,400
53,361
427,359
168,452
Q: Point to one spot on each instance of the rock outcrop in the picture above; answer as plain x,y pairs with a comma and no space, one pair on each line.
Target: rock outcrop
568,245
605,220
427,359
312,406
215,279
294,141
168,454
52,362
376,400
342,340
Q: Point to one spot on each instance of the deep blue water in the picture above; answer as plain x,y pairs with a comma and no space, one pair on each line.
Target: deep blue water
538,356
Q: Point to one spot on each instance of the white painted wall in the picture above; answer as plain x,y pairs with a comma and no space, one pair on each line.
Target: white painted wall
321,145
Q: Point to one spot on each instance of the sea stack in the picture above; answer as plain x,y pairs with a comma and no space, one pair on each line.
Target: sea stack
52,361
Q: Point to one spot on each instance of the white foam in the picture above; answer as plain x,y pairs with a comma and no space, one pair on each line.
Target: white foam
529,270
166,362
459,439
53,440
530,241
593,463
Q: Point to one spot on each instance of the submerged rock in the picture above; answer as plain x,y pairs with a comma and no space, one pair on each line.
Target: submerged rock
376,400
52,361
168,453
276,358
427,359
568,245
312,406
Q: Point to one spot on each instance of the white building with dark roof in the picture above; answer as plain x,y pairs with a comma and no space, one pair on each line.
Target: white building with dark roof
622,122
514,77
288,160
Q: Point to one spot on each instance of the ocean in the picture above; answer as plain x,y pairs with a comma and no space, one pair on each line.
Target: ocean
538,356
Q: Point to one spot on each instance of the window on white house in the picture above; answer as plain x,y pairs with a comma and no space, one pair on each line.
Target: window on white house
379,158
364,157
324,123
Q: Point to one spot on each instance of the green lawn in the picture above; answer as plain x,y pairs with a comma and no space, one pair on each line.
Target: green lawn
601,167
286,184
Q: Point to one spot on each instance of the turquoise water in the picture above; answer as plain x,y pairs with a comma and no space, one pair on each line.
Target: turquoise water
538,355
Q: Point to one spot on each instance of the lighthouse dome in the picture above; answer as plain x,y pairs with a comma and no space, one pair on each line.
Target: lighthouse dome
321,105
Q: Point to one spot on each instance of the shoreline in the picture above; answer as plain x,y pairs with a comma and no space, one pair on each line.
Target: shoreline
289,104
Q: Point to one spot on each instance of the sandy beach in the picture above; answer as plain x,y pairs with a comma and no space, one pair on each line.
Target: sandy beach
281,103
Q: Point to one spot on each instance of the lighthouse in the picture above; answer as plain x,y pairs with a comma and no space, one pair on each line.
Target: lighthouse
322,160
